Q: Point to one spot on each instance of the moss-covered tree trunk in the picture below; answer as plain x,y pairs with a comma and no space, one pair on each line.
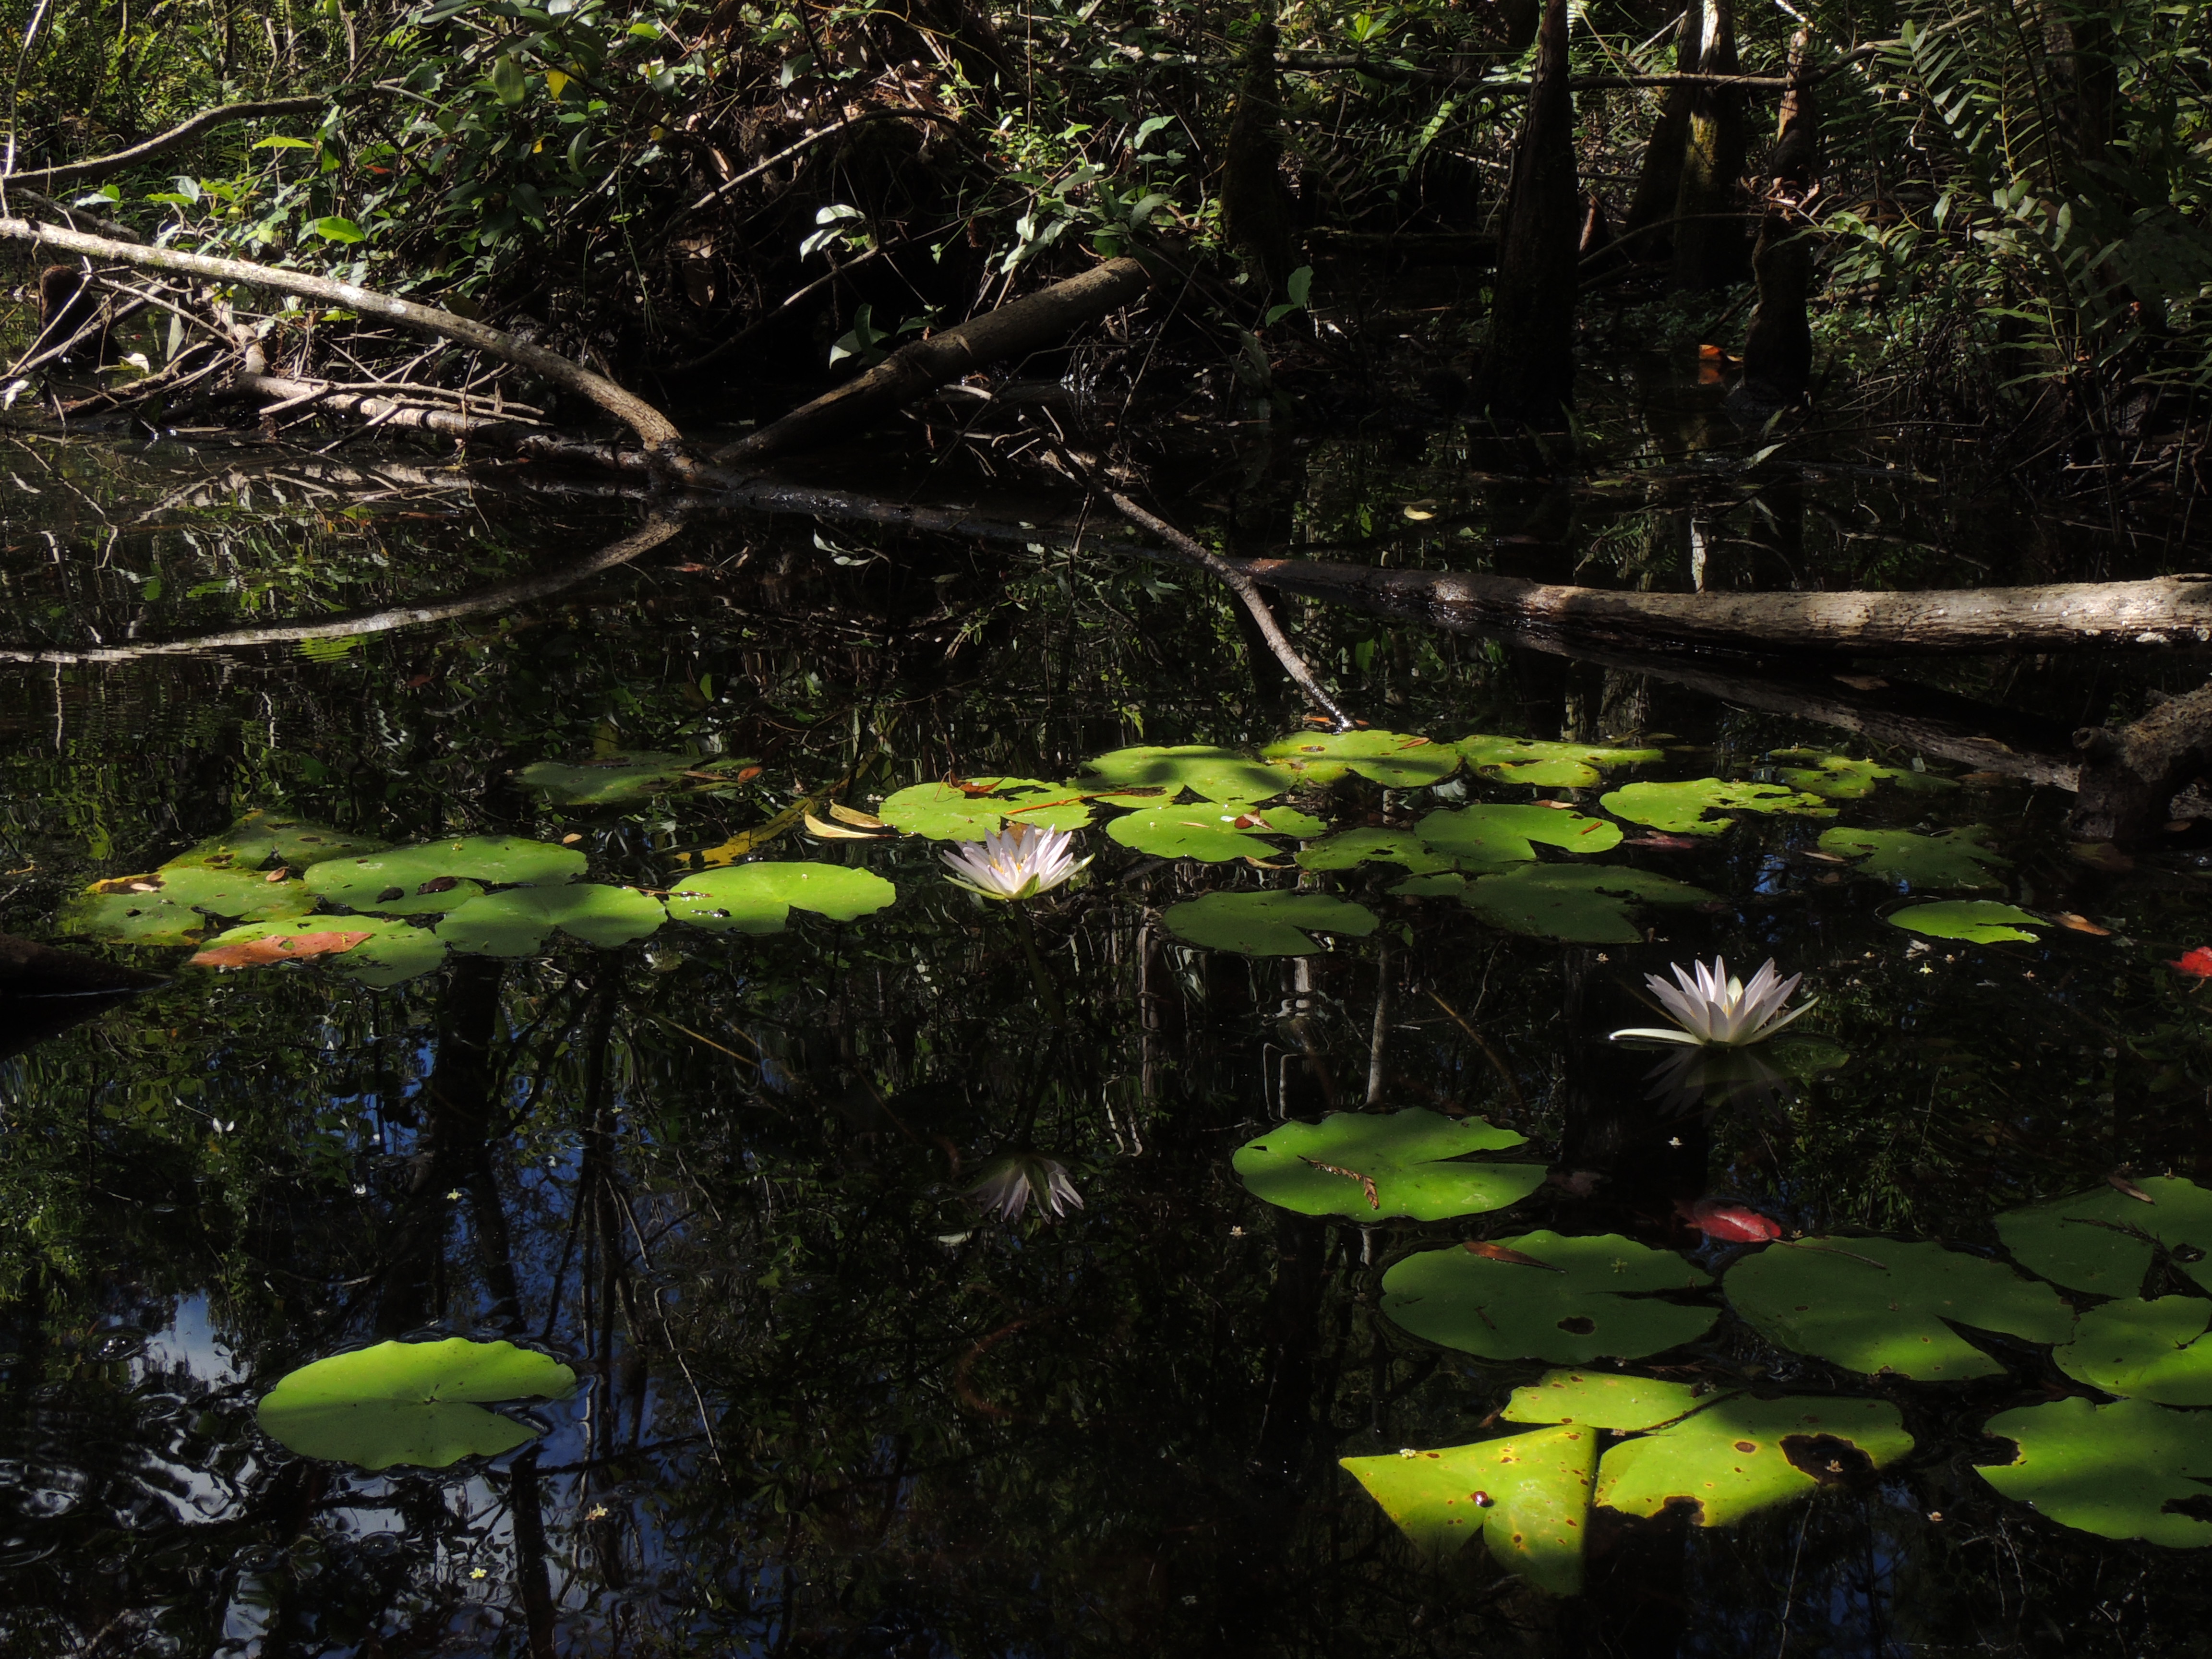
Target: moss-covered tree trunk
1647,227
1253,212
1712,247
1777,353
1528,369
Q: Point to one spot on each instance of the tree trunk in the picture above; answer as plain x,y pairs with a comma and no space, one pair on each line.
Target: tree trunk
1777,352
1254,214
1710,248
1659,181
1528,368
2130,777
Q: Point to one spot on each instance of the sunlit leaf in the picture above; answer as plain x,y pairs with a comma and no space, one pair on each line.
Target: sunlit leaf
1384,757
1603,1400
1547,765
1877,1305
1211,831
2102,1241
758,898
171,906
972,808
518,923
1950,858
1837,777
1977,921
1493,834
1680,808
1209,773
1353,847
415,1403
2111,1470
262,835
1528,1494
1583,904
336,229
1732,1459
442,875
1267,924
1598,1306
2145,1350
1369,1166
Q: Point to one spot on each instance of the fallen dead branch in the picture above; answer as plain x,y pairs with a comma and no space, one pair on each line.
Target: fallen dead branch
389,413
102,167
2130,776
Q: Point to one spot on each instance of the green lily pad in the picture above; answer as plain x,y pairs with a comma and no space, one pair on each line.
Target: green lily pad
2110,1470
759,898
263,834
1448,884
2145,1350
1487,837
416,1403
1977,921
1549,765
1950,858
1528,1494
1603,1400
1838,777
1210,773
637,775
1267,924
442,875
1876,1304
1732,1459
1385,757
393,953
172,905
517,923
1365,1166
942,812
2102,1240
1680,808
1589,1309
1353,847
1582,904
1211,831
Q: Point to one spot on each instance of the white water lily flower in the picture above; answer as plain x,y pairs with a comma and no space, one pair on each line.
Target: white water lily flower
1010,1182
1016,862
1710,1007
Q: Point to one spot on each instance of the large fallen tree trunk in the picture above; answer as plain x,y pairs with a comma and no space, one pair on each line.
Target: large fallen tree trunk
2130,776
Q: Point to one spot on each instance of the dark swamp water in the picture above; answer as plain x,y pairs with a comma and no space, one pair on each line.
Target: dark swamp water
823,1399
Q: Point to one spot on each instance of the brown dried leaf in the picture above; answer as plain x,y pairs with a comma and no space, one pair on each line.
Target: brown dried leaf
276,947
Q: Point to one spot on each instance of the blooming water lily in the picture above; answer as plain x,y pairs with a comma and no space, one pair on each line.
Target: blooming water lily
1010,1181
1711,1007
1016,862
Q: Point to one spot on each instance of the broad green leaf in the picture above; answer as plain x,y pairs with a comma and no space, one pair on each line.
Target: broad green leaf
1597,1305
2145,1350
638,775
440,875
1732,1459
2110,1470
1582,904
1603,1400
1837,777
393,953
1977,921
1352,847
172,905
518,922
1384,757
508,80
1876,1304
1209,773
335,229
1680,808
1267,924
1444,884
1489,835
1365,1166
262,835
2102,1240
1211,831
1528,1494
1950,858
943,813
1547,765
758,898
416,1403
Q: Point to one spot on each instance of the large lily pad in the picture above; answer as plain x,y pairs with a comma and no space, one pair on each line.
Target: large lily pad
1977,921
1603,1400
2110,1470
440,875
1549,765
1267,924
1876,1304
1732,1459
759,898
1210,773
1353,847
1680,808
418,1403
2145,1350
1365,1166
638,775
1385,757
394,951
1491,836
172,905
1590,1300
1213,832
1528,1494
518,922
973,808
1950,858
264,834
2102,1240
1838,777
1583,904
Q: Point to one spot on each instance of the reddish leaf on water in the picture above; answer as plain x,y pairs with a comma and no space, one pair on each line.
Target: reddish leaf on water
276,947
1732,1222
2196,964
1490,1252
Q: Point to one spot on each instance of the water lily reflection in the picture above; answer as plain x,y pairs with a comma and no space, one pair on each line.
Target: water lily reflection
1010,1181
1016,862
1714,1076
1711,1007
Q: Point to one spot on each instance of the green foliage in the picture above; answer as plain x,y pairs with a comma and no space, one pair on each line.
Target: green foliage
1583,904
1364,1167
2103,1240
1680,808
1591,1298
394,953
1383,758
517,923
1272,924
1732,1458
1838,777
440,875
1212,832
1528,1494
972,810
1558,765
2111,1470
1949,858
1479,837
759,898
638,775
1209,773
420,1404
2144,1350
1977,921
172,905
1350,847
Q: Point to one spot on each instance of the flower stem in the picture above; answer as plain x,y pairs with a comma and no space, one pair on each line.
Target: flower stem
1048,992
